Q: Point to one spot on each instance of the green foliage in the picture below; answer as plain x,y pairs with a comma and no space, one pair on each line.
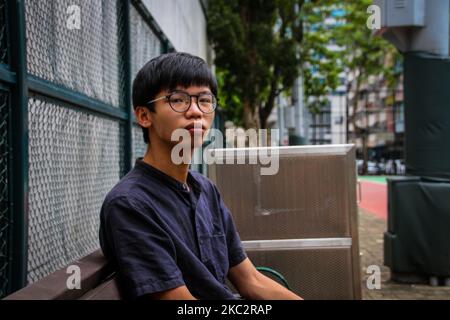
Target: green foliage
320,64
261,47
256,43
361,54
365,53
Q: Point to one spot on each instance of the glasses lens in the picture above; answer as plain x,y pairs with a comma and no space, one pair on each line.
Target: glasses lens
207,102
179,101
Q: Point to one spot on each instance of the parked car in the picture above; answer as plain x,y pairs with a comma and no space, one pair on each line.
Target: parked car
373,167
390,167
359,166
400,166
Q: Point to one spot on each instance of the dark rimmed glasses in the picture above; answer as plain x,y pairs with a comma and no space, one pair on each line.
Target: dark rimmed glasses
180,101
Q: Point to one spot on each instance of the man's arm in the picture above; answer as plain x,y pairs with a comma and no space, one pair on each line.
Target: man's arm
253,285
180,293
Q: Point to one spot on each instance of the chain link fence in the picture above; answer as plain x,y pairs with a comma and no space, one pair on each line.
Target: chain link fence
144,45
75,159
86,60
4,216
4,154
3,33
76,122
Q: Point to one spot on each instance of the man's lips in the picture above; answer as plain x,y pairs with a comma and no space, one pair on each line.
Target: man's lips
198,131
192,128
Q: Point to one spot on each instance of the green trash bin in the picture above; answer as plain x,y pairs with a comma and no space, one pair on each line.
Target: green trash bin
417,241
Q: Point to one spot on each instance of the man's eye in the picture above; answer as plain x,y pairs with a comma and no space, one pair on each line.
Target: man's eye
177,100
205,100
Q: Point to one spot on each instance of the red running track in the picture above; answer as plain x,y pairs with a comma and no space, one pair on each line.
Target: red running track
374,198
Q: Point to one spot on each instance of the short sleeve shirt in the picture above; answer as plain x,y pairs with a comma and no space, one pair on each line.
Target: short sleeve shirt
162,234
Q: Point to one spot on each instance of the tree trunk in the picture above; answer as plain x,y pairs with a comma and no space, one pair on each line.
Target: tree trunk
266,109
264,112
365,154
358,131
251,119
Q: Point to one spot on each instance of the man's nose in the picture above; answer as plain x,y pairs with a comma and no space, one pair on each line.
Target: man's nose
194,110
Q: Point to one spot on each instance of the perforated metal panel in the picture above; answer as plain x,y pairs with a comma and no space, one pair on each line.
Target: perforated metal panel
305,199
312,273
144,43
86,60
311,199
4,184
3,33
139,146
74,160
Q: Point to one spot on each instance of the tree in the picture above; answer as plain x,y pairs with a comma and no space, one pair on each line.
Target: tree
320,64
256,44
262,46
364,56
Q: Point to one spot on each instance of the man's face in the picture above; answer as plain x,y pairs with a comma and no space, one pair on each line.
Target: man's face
164,121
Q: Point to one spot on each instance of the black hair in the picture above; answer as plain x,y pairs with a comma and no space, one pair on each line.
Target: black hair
166,72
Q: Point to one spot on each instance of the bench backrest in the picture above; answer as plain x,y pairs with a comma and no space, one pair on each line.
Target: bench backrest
97,282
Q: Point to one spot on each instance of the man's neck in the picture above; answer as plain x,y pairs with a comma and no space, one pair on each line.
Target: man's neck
160,158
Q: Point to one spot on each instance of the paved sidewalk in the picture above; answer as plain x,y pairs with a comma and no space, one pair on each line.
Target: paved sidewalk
371,229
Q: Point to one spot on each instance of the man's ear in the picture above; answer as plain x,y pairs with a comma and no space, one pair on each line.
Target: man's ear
143,116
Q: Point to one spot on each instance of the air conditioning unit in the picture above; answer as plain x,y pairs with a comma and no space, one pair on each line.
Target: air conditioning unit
301,221
416,25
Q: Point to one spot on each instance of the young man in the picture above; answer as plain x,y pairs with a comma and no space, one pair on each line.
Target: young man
165,227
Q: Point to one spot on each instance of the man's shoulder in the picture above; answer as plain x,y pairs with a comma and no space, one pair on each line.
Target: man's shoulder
204,181
199,176
126,191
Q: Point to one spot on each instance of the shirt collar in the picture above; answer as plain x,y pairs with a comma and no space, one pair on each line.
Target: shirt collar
166,179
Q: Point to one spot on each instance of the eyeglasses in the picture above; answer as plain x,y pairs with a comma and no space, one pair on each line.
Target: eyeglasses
180,101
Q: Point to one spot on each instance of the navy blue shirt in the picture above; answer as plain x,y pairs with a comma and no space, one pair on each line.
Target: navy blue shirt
162,234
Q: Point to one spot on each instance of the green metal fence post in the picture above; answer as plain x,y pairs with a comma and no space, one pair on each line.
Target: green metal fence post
19,150
127,89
